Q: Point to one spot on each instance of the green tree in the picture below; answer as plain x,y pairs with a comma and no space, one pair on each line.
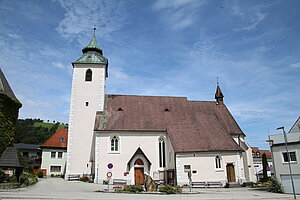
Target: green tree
265,166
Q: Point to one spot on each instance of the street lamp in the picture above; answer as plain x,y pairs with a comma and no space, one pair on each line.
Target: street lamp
289,158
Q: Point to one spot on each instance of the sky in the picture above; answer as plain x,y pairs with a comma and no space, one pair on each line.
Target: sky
160,47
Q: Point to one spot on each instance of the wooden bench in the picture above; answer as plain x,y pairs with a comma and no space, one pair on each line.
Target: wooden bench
214,184
119,182
73,177
199,184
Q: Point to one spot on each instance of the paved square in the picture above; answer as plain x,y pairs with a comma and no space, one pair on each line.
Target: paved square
57,188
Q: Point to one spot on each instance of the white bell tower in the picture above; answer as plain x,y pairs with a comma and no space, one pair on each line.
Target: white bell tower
87,97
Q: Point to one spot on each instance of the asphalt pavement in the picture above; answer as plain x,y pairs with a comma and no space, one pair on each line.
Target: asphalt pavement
57,188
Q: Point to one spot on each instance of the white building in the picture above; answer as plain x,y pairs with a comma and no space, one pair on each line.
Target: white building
163,137
280,158
54,153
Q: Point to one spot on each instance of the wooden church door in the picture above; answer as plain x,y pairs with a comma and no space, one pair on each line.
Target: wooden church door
230,172
139,176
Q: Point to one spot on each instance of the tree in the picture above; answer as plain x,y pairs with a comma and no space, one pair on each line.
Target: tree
265,166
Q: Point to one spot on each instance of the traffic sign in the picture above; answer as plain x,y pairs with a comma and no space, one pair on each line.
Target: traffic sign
109,174
110,165
268,169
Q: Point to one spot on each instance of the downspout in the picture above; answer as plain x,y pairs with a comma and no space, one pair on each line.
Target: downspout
175,170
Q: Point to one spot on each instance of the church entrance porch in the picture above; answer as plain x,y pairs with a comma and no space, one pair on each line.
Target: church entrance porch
230,172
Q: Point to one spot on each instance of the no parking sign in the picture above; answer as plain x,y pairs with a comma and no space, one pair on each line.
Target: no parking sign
108,174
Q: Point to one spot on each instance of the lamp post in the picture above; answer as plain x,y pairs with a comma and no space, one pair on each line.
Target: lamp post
289,159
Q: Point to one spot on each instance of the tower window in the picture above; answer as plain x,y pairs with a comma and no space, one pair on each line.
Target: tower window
88,75
87,103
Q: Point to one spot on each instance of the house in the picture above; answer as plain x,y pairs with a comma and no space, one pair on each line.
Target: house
257,161
30,151
54,153
9,110
281,158
172,139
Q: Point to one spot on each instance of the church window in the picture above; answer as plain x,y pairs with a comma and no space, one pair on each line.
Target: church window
218,162
162,152
114,144
88,75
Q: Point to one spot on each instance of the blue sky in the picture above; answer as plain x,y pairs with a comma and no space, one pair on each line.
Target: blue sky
162,47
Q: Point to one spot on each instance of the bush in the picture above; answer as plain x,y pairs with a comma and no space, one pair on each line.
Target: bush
168,189
40,174
12,179
28,179
2,176
248,184
275,186
133,188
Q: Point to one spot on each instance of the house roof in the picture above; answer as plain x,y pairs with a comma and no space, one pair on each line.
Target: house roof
4,86
191,125
27,146
261,152
11,158
296,126
55,140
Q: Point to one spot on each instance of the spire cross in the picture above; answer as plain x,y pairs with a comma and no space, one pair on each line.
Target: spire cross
217,80
94,30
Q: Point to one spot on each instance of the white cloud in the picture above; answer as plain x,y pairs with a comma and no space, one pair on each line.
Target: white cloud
295,65
14,35
178,14
118,74
254,21
163,4
60,65
82,16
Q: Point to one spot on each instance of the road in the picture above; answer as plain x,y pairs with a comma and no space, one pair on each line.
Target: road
56,188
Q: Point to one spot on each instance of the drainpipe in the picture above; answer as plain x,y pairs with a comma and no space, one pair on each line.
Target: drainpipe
175,170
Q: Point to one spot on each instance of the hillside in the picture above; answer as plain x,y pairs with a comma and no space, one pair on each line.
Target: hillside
35,131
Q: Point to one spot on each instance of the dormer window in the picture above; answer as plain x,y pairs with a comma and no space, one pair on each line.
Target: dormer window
120,109
88,75
166,110
62,139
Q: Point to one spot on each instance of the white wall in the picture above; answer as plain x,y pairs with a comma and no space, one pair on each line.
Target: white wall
129,143
204,164
47,161
82,117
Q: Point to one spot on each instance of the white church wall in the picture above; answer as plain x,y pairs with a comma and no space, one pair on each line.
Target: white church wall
129,142
203,166
87,97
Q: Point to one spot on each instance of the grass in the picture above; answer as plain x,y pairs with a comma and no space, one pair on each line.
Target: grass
48,125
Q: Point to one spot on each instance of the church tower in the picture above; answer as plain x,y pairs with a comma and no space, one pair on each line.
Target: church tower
87,97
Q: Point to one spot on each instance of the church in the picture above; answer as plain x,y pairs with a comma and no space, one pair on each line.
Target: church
172,139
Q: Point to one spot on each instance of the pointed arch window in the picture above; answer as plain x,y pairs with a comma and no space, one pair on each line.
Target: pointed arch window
218,162
114,144
162,152
88,75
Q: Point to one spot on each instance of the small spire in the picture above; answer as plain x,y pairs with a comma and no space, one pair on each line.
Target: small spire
219,95
93,46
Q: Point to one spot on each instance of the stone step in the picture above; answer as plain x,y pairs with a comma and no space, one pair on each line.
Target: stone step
234,185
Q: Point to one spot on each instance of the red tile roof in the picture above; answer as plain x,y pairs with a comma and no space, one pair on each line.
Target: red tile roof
261,152
55,140
191,125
